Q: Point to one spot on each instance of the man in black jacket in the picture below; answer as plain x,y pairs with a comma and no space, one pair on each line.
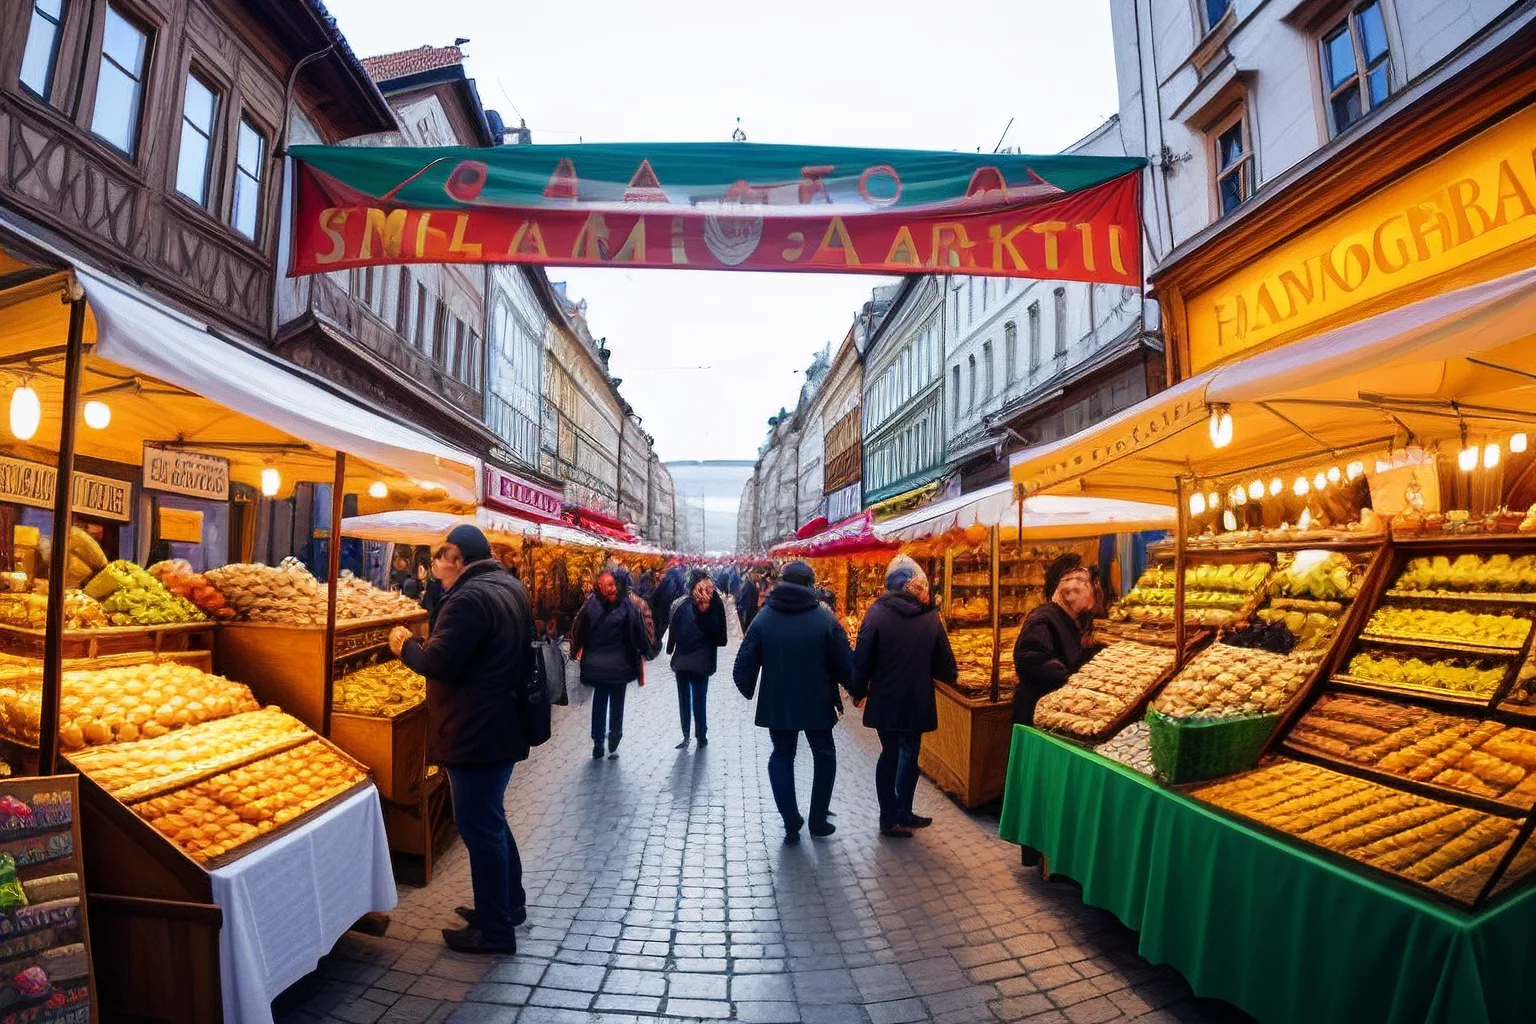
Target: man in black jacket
474,661
746,601
1050,645
902,649
802,653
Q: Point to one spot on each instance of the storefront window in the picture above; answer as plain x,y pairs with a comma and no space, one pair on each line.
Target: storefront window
42,52
1356,65
199,106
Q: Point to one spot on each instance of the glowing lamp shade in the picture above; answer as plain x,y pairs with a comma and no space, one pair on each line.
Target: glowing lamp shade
1319,482
378,490
1490,456
1517,442
1301,487
26,413
1256,490
1197,504
1334,475
1229,520
1238,496
1276,485
1466,461
271,480
1221,426
98,415
1355,470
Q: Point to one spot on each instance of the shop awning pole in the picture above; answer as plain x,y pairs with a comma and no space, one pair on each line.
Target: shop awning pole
1180,555
58,561
333,575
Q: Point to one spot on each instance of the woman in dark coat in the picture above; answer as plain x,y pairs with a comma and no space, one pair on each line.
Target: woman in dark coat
695,632
802,653
611,642
902,649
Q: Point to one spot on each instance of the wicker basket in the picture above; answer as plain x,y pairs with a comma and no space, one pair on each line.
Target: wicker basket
1193,750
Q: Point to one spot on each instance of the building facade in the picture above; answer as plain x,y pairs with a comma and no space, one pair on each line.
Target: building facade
903,387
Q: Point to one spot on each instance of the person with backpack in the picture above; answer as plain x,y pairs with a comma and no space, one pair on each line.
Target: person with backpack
476,662
612,642
695,633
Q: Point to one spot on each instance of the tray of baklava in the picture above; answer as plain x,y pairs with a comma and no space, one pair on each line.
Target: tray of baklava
1430,844
1459,757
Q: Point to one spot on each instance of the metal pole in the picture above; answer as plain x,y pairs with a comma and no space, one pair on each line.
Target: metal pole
1180,555
996,553
333,574
63,502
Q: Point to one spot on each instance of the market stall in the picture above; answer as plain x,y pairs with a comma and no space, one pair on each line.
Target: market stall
1347,710
191,792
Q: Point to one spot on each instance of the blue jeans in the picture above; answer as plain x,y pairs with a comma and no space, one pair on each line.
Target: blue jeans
608,712
692,689
495,867
896,774
781,773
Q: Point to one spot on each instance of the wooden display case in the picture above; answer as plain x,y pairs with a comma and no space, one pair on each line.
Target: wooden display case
394,749
967,756
110,640
421,830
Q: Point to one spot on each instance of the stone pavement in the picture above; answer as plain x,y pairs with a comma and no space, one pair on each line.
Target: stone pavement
659,888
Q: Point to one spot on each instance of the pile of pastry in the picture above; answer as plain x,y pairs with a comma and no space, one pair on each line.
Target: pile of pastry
1453,850
1483,758
1451,675
1104,689
359,599
1225,681
383,690
287,593
1506,632
211,818
1132,747
1498,573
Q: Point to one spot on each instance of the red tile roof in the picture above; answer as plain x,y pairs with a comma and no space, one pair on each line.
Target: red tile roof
389,66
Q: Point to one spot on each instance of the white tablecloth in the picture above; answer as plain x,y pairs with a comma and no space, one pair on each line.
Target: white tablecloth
286,904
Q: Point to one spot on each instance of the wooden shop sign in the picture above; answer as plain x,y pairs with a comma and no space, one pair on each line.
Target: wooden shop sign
182,472
34,484
1472,202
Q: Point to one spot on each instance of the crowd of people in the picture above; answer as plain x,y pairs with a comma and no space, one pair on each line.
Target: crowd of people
795,660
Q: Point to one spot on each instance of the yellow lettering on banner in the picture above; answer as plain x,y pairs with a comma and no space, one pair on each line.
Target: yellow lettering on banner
844,243
591,240
1117,248
529,241
679,250
331,220
457,244
1086,230
1050,229
633,249
796,247
1004,243
389,227
1449,214
950,239
422,227
903,250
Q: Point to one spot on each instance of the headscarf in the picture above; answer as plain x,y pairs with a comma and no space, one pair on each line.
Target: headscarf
902,571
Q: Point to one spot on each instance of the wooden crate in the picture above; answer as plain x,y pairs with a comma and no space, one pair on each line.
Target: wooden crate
160,959
967,756
394,749
109,640
420,831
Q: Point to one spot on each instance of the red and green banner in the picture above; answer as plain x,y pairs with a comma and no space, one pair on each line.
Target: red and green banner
721,206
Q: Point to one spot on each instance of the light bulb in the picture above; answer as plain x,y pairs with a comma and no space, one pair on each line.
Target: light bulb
1517,442
1355,470
378,490
1334,476
1301,487
26,412
1197,504
1276,485
1229,520
1221,426
1319,482
1238,496
270,481
98,415
1467,460
1256,490
1382,467
1490,456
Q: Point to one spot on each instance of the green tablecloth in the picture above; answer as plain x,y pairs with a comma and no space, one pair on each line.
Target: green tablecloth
1285,934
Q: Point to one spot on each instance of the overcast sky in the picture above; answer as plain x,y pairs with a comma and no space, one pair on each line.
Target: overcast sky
707,357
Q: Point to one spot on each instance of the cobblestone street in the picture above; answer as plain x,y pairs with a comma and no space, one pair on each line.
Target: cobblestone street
659,887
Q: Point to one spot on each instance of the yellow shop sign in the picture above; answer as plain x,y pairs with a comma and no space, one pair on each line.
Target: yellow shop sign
1475,200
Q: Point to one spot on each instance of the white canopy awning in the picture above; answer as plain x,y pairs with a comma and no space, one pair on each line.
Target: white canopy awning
413,526
1045,516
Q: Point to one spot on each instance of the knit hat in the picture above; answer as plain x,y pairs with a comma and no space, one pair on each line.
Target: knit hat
901,571
1060,566
470,542
695,577
799,573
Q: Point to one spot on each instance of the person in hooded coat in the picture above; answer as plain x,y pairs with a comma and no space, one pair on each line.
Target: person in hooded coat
746,601
696,632
673,585
611,643
801,653
476,653
902,649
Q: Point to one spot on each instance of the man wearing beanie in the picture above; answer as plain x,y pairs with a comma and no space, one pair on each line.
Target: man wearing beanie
902,649
802,654
1050,644
476,652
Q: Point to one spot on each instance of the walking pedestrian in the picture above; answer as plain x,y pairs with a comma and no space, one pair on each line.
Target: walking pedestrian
472,660
1050,645
746,601
801,652
902,649
610,641
695,635
673,585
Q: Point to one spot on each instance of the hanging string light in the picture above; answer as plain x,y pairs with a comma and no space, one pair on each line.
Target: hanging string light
271,480
1276,485
1256,490
1356,470
378,490
1334,474
1320,482
1490,456
26,412
1301,487
1517,443
1221,425
1229,520
1197,504
98,415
